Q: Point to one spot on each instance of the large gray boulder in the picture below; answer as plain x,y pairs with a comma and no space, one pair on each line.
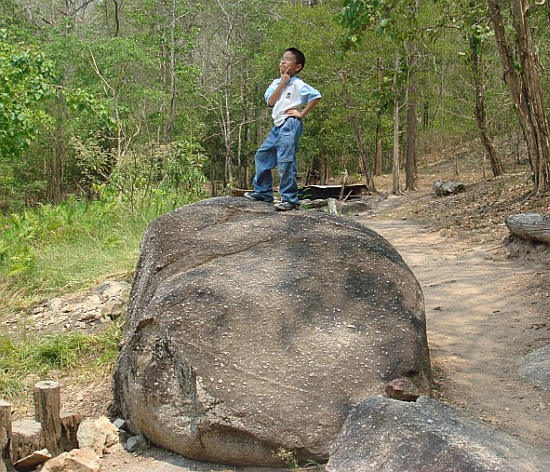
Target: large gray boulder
386,435
251,330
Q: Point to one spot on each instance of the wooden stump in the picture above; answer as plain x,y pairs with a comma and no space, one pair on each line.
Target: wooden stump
26,437
70,421
47,406
530,226
5,436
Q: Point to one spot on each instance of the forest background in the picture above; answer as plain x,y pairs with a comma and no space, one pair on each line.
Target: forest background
113,112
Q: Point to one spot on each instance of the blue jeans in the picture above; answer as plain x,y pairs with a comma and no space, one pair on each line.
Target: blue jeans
279,149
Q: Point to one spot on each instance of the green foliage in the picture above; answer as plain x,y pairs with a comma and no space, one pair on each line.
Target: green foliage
151,176
395,20
26,79
66,246
55,352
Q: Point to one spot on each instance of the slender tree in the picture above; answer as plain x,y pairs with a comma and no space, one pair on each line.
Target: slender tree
396,184
521,75
411,170
357,133
475,42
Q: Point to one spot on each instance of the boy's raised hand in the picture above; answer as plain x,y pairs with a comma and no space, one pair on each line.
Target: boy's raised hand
285,75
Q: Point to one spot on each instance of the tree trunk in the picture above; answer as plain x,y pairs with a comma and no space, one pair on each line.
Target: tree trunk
525,88
357,134
378,145
378,132
426,115
117,19
56,168
169,124
533,94
411,169
481,118
57,161
243,129
396,185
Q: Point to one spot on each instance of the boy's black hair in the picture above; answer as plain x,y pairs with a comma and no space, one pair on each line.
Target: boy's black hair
299,55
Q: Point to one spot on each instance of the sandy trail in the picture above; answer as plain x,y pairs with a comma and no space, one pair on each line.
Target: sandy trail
484,313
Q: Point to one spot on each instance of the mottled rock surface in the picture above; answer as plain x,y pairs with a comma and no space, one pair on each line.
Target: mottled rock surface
98,434
249,330
535,367
387,435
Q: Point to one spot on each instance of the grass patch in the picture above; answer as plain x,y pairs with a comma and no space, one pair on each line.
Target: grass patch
55,353
51,250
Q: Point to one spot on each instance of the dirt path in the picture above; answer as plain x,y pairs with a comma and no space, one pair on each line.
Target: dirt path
484,313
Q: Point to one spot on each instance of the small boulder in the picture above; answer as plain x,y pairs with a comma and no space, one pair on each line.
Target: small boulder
535,367
97,434
26,438
135,443
386,435
77,460
119,423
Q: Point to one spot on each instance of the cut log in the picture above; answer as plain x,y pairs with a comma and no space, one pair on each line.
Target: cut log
26,438
530,226
5,436
47,405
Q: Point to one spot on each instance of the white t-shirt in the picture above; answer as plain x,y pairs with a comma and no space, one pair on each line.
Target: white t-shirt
296,94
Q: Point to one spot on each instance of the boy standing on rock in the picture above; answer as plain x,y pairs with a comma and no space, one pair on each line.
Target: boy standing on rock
287,96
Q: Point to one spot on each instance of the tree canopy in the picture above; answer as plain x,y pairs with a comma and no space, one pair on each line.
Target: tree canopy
110,95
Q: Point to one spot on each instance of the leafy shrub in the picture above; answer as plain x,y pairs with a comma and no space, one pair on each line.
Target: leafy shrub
40,240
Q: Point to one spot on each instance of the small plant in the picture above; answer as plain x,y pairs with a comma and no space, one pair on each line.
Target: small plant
288,457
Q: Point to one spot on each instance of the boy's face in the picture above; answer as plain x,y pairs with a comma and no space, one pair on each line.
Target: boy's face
288,65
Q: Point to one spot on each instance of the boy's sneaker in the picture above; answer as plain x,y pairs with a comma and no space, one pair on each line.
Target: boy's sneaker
285,206
257,197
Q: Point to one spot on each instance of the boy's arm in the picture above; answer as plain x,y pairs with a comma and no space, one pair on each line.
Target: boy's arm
301,114
285,78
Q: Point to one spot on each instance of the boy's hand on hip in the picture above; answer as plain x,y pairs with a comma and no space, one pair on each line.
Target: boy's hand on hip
295,113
